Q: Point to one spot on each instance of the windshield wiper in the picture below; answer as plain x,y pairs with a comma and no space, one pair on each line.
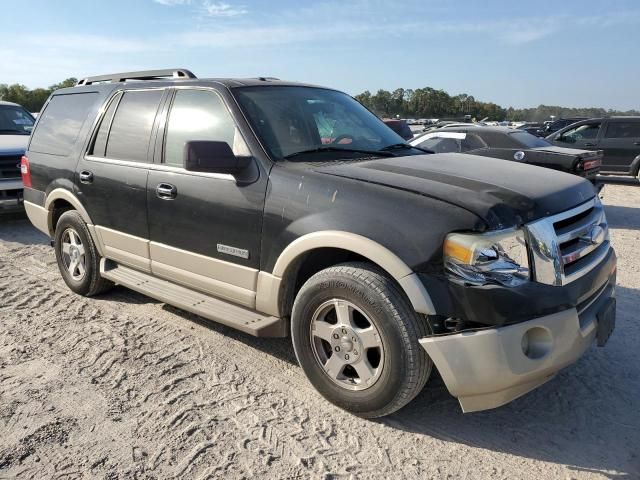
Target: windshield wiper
397,146
377,153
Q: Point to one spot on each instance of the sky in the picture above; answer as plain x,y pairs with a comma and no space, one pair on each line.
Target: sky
574,53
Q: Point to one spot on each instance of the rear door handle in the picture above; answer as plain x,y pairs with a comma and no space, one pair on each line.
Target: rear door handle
589,144
166,191
86,176
636,143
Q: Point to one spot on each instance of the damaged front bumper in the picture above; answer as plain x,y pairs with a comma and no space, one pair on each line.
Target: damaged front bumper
490,367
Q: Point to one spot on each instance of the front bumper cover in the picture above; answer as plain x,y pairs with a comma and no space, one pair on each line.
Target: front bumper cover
488,368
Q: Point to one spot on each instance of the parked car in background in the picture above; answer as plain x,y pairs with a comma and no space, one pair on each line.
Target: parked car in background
530,127
511,144
382,262
401,127
15,127
617,137
554,126
447,123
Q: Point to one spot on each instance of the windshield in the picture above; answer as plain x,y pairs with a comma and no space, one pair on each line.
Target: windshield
528,140
292,120
15,120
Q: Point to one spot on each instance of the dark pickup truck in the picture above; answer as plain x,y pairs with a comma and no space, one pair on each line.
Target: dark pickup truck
512,144
381,261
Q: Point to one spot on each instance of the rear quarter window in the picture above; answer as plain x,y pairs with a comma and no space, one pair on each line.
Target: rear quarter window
60,123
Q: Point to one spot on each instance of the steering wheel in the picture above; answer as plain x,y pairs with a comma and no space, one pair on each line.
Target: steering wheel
339,139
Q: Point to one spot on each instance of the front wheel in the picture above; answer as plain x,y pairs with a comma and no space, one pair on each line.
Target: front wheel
356,335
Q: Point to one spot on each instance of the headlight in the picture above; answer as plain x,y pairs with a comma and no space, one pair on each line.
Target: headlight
497,257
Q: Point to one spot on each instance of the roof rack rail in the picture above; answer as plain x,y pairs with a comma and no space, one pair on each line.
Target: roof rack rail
142,75
266,79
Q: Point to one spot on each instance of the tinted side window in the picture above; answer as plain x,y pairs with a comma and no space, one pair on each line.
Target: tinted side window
131,127
583,132
472,142
100,143
60,123
199,115
623,130
442,145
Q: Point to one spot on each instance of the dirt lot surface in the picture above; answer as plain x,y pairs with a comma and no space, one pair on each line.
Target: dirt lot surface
121,386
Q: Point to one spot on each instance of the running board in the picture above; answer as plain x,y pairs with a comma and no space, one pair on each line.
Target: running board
206,306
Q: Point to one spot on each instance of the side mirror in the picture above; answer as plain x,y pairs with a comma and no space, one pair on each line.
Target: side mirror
212,157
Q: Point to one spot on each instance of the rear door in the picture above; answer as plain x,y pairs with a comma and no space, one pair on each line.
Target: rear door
205,228
621,144
112,177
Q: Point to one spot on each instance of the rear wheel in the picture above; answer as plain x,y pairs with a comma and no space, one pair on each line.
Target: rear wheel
356,335
77,256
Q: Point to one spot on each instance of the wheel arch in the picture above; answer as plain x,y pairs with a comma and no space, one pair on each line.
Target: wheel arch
634,169
59,197
276,290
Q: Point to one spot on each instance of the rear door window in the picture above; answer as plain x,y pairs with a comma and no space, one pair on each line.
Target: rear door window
623,130
132,123
61,122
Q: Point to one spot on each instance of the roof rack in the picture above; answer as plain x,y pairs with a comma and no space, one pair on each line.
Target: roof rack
142,75
267,79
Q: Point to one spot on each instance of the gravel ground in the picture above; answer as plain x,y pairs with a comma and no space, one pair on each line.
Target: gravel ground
122,386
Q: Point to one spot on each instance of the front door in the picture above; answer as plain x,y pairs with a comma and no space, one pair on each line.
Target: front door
112,177
204,228
621,144
584,136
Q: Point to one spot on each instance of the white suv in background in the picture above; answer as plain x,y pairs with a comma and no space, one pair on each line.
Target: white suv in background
15,127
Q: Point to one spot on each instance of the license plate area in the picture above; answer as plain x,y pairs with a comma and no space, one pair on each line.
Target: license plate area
606,321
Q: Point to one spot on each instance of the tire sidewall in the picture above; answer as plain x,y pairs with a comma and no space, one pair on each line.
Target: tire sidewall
318,290
73,220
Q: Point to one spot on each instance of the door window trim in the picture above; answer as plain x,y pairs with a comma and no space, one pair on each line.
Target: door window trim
98,122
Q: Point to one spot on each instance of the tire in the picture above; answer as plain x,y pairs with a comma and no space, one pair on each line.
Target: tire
73,242
375,313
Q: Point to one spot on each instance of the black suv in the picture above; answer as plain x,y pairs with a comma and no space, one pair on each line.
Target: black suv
279,208
556,125
617,137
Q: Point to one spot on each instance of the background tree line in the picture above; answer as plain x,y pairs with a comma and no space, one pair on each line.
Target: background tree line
32,100
419,103
430,103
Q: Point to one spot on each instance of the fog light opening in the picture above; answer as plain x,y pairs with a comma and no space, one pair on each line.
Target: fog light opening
536,343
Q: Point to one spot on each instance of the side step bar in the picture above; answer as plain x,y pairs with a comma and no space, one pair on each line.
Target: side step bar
206,306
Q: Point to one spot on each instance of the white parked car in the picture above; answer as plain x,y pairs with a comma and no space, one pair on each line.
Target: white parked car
16,124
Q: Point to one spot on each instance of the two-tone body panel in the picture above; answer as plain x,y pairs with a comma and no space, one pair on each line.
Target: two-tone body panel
244,243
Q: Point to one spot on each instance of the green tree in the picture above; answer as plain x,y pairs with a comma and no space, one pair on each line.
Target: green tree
32,100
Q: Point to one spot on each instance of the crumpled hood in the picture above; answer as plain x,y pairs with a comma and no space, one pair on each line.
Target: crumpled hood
13,144
503,194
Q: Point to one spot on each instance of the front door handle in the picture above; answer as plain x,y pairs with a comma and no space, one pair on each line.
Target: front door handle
166,191
636,143
86,176
589,144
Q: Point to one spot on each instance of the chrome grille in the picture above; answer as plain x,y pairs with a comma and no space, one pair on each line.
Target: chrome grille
568,245
10,166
